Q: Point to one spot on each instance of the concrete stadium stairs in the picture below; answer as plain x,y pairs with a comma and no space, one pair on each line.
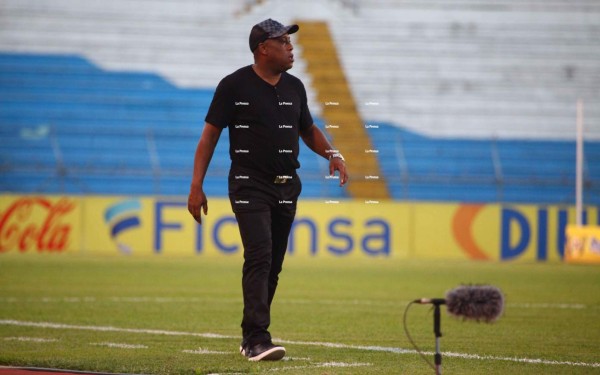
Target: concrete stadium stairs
342,120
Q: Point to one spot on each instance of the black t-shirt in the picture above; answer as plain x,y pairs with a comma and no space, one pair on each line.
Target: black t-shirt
264,120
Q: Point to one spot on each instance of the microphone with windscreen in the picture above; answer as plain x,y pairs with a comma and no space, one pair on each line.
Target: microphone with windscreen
471,302
482,303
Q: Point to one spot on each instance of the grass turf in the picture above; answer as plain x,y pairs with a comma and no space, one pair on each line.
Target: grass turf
550,324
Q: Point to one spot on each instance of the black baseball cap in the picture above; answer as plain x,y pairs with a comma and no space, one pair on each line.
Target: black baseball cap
268,29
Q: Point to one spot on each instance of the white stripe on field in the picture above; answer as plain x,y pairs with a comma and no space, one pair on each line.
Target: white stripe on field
342,364
311,343
203,351
113,329
29,339
291,359
516,359
119,345
362,302
576,306
560,306
321,365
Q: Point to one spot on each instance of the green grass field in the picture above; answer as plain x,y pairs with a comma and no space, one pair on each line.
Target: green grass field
153,316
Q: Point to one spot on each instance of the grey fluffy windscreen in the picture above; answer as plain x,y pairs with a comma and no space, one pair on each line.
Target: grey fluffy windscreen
478,302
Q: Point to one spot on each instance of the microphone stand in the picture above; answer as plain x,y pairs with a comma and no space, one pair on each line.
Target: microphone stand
438,333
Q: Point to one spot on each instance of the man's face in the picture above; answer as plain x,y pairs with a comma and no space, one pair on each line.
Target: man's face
280,52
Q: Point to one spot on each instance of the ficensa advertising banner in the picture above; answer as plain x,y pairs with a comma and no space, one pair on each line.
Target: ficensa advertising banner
161,226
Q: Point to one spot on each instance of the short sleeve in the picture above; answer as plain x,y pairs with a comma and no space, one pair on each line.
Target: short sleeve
306,119
221,110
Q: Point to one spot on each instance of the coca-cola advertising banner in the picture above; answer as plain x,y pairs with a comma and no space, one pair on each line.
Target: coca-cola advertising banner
162,226
39,224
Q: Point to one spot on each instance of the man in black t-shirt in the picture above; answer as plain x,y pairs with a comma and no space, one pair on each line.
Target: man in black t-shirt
266,112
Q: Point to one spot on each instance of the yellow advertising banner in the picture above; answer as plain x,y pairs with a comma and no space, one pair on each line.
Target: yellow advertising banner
583,244
163,226
113,225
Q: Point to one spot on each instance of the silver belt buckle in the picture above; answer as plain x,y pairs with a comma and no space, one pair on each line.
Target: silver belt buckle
280,180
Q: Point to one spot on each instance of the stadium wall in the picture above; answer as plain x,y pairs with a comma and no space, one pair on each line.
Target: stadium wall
154,226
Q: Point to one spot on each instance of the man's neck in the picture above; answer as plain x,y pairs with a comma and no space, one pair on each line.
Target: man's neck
267,75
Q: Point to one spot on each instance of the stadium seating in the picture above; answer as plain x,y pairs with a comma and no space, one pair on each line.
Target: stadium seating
70,127
472,107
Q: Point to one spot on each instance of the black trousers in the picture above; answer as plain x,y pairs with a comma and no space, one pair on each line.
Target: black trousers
265,211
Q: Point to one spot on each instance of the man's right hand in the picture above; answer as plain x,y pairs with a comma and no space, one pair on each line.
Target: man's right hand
197,202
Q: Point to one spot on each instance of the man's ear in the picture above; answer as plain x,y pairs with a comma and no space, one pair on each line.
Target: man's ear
262,49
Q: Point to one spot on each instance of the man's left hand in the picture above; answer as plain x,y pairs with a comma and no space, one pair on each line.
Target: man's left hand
337,164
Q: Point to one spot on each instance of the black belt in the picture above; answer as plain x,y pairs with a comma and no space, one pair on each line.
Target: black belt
282,179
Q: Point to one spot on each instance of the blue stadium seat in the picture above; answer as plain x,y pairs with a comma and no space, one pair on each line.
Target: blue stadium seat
68,126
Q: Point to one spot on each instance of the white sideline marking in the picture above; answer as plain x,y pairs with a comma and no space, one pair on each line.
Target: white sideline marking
576,306
322,365
29,339
308,343
204,351
342,364
119,345
292,359
113,329
517,359
561,306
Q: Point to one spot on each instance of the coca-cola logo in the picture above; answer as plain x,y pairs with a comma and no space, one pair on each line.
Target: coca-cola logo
35,223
